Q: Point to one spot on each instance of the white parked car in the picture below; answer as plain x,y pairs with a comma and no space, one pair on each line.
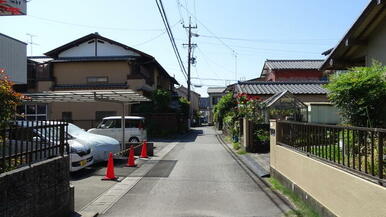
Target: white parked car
111,126
43,135
100,145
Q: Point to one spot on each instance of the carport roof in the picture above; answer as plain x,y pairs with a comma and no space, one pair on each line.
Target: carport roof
117,96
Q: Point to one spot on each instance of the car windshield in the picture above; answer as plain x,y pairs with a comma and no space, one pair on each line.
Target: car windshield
116,123
74,130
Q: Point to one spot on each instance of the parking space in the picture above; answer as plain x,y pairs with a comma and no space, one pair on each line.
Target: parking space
88,184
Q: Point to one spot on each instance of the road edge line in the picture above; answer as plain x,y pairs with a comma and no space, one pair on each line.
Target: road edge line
254,176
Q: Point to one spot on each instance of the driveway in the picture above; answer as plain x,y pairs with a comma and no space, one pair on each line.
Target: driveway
88,184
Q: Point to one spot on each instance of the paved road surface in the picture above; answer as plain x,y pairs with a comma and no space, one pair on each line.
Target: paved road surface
197,178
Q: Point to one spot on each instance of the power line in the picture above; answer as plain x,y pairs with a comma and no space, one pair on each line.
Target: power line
265,49
213,79
155,37
234,53
180,13
213,62
298,41
171,37
207,29
90,26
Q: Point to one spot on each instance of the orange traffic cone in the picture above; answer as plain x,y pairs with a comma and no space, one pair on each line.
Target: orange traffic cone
144,150
131,161
110,169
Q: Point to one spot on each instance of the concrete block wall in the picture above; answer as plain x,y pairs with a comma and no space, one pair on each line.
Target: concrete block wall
40,190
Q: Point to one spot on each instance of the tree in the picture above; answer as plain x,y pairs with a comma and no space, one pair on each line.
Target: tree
225,105
360,95
9,99
184,106
161,100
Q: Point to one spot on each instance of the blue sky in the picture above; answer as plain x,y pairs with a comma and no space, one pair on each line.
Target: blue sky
255,29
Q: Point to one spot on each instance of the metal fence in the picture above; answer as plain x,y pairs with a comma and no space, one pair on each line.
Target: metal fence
25,142
358,149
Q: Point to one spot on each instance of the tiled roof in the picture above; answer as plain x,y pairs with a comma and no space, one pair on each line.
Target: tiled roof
216,89
273,87
293,64
90,86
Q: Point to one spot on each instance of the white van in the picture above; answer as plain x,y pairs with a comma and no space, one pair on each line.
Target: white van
111,126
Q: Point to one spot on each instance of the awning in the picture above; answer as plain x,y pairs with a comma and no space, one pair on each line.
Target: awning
117,96
122,96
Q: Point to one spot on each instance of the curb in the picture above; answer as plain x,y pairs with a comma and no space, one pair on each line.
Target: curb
255,175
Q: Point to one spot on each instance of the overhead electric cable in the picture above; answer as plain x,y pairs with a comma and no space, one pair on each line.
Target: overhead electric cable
94,27
207,29
155,37
171,37
300,41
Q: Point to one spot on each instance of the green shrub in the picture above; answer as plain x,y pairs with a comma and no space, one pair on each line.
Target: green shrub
225,105
236,145
360,95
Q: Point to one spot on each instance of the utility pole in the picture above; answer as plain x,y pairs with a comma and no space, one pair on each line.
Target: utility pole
190,46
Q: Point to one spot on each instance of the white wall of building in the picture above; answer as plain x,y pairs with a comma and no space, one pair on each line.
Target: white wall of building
377,45
103,48
13,58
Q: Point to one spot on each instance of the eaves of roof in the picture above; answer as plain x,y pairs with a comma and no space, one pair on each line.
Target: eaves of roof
359,31
54,53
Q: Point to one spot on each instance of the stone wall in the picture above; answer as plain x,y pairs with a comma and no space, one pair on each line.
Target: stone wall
43,189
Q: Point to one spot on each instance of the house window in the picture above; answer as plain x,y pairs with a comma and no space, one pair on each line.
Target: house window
97,80
215,100
32,112
67,116
99,115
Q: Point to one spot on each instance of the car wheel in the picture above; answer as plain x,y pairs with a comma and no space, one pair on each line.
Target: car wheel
134,139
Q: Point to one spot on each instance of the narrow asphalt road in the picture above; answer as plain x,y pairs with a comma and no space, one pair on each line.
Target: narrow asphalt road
197,178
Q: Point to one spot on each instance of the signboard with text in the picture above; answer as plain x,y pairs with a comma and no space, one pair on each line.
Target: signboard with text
13,7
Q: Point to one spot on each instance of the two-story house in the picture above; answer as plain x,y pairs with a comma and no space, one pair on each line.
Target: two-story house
194,98
292,70
363,43
95,62
215,94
